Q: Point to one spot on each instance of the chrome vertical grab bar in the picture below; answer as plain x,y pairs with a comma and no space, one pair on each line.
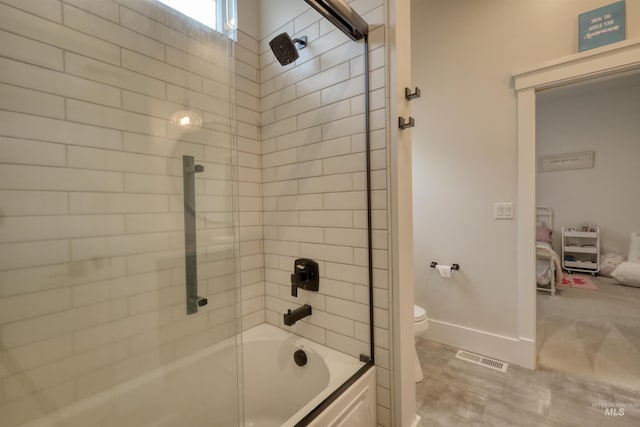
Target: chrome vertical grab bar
189,170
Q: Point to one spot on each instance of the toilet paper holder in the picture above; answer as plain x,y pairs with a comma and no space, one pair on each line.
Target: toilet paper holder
453,266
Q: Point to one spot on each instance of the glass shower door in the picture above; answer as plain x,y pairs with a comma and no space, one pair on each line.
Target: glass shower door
103,105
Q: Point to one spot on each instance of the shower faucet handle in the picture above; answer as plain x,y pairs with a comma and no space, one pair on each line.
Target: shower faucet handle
305,275
201,301
193,169
299,277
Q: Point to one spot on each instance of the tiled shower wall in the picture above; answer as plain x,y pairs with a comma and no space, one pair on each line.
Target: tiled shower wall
314,185
247,93
91,216
91,255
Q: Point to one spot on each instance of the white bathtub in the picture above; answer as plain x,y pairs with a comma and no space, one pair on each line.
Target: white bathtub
276,392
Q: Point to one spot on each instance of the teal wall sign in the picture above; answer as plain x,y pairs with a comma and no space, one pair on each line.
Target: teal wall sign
601,26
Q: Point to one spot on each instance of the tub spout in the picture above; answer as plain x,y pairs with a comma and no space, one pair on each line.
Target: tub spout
291,317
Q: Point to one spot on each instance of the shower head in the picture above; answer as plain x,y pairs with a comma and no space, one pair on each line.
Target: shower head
285,49
342,16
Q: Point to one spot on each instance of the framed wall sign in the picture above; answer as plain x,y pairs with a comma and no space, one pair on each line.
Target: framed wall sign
602,26
558,162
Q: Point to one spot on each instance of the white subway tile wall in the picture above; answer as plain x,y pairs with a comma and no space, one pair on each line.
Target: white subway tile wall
91,212
91,241
314,186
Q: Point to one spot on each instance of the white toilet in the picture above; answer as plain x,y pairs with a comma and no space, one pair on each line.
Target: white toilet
420,326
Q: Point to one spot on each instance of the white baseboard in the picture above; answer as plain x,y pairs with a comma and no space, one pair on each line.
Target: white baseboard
508,349
528,353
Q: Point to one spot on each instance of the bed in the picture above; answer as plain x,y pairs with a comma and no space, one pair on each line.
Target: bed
548,270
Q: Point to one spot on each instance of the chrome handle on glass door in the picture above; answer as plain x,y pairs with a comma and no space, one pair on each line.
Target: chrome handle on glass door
189,170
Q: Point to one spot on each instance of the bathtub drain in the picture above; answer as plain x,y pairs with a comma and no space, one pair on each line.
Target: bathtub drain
300,357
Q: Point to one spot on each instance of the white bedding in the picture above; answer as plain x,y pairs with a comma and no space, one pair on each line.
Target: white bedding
544,254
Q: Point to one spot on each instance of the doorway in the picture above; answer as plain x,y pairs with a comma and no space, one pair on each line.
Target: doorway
600,63
586,151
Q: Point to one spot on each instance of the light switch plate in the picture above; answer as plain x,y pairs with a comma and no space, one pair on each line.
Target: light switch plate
503,210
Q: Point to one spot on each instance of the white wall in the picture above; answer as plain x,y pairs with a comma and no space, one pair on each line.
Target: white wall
600,118
276,13
401,213
249,14
464,53
250,232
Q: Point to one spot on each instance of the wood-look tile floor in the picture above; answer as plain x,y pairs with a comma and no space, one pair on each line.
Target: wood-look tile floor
459,393
591,333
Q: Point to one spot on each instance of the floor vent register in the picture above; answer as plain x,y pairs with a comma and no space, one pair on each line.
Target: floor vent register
482,361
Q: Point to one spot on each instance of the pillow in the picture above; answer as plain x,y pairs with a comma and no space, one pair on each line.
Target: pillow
627,273
543,234
634,248
609,262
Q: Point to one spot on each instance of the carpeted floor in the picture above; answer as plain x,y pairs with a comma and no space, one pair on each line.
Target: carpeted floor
592,333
